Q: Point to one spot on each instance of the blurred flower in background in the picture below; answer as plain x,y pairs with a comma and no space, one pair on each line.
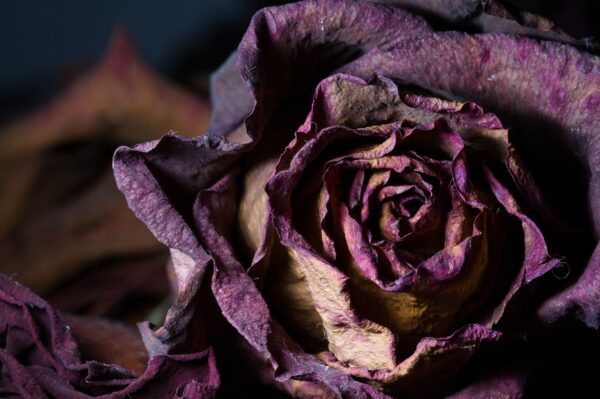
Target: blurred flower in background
62,216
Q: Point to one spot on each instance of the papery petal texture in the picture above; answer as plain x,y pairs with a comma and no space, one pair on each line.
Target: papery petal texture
373,247
40,359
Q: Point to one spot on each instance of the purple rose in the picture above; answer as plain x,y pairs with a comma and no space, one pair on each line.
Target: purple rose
375,206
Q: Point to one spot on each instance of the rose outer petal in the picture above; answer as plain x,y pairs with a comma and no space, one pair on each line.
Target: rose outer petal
137,173
439,357
506,384
293,55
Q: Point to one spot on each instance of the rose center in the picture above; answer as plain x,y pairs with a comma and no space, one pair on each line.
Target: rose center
399,213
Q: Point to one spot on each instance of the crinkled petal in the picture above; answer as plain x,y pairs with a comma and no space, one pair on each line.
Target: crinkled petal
156,185
40,358
506,384
433,362
275,58
559,84
244,307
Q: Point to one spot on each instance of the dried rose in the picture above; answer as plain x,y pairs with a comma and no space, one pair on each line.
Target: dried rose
373,247
41,357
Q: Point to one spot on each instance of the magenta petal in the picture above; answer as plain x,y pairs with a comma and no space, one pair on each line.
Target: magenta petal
155,186
583,298
148,173
502,384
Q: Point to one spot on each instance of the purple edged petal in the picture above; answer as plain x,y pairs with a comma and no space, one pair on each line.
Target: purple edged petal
558,84
244,307
155,185
503,384
276,58
433,362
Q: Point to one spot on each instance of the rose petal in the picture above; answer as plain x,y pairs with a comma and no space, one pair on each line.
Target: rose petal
350,101
137,172
434,361
449,10
243,306
507,384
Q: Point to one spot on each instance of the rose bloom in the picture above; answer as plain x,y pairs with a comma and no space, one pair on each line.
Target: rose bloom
380,209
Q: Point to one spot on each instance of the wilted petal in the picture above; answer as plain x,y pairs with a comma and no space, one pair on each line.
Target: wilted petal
244,307
40,357
559,85
139,173
506,384
433,362
296,56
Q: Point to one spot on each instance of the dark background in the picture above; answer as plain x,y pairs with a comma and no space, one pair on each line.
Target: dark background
44,43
